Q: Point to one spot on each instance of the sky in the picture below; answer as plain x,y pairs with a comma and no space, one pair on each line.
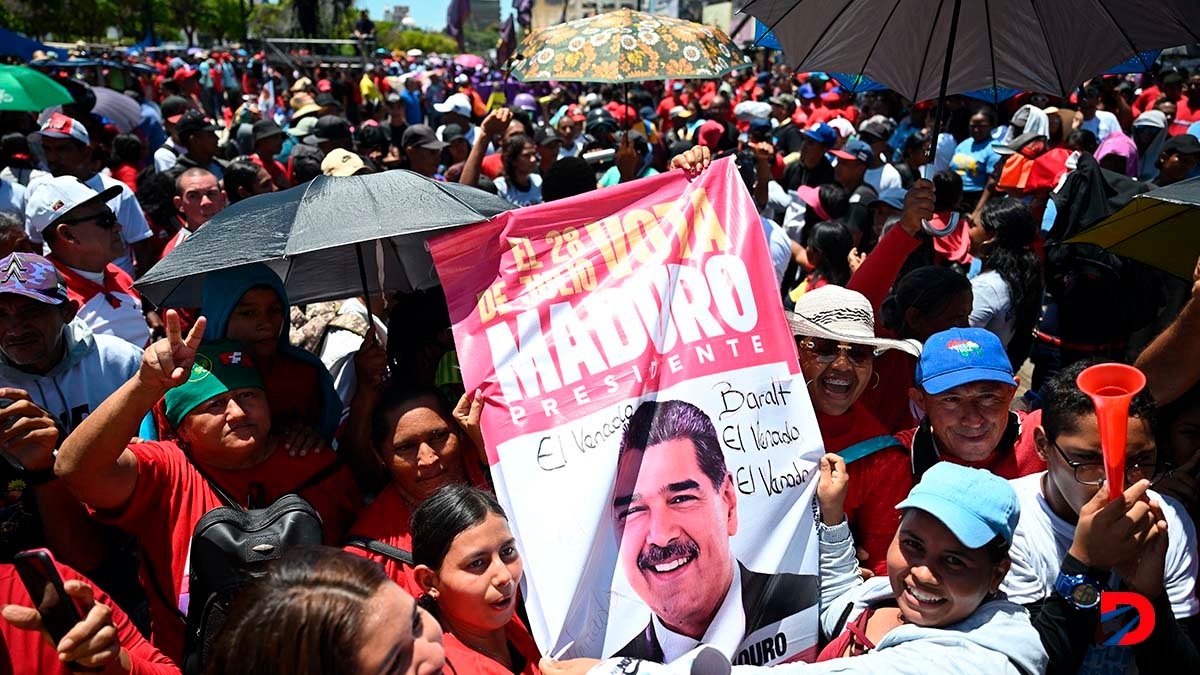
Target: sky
429,14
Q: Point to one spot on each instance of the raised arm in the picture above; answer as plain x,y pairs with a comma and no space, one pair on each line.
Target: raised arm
875,277
93,461
493,125
1172,361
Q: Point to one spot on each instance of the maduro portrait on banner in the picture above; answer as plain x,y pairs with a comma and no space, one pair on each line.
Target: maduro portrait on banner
648,429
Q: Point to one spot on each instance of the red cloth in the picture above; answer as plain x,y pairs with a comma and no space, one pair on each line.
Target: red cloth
127,174
710,134
1145,100
956,246
492,165
28,653
874,278
462,660
171,496
279,173
874,488
1185,115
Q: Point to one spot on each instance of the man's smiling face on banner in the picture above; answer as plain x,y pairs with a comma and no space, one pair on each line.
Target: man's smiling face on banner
674,527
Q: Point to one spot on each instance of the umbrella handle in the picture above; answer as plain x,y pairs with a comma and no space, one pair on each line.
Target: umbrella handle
362,272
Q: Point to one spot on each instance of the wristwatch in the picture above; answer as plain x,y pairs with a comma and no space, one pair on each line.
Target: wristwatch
1081,590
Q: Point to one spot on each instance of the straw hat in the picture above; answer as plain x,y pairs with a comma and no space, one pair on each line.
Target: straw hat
836,313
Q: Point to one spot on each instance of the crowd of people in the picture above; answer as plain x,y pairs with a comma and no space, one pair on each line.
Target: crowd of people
964,526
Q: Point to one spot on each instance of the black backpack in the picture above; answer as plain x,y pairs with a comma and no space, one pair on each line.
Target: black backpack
232,546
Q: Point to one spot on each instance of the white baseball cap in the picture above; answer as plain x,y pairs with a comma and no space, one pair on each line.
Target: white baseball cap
458,103
62,126
53,198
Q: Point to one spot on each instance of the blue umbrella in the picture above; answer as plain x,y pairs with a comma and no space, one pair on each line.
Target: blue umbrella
18,45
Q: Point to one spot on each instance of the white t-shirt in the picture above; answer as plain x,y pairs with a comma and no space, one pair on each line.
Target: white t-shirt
12,198
992,307
1103,124
517,196
884,177
1042,539
167,156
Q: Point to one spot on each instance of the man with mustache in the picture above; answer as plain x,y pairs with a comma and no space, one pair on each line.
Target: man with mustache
675,508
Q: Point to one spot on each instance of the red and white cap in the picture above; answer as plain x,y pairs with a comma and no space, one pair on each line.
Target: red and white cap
62,126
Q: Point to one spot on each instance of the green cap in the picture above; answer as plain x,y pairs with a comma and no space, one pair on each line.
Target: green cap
220,366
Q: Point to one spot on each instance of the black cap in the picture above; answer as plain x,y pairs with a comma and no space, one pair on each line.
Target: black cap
193,122
453,132
329,128
326,99
265,129
421,136
546,136
372,136
173,106
1183,144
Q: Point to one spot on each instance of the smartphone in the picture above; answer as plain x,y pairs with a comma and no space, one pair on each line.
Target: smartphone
40,576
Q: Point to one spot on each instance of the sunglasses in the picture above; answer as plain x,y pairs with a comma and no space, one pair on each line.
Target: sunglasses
826,351
105,220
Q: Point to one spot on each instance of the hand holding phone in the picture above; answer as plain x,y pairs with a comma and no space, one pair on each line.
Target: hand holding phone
79,628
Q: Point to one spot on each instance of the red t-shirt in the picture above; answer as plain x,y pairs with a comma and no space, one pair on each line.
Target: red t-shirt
492,165
874,278
171,495
1145,100
874,489
24,652
388,519
1185,115
279,173
127,174
462,660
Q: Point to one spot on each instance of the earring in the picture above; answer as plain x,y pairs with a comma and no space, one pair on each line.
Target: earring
432,593
877,380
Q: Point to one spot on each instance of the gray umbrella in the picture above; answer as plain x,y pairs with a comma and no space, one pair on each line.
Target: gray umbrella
122,111
1049,46
326,239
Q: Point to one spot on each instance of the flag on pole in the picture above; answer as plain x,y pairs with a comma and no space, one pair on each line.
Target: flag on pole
524,10
456,18
507,43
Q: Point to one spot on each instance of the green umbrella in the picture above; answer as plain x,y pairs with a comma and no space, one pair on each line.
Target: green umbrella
1156,227
626,46
23,88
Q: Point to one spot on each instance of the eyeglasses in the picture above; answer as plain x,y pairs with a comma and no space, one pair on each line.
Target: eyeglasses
1092,473
105,220
826,351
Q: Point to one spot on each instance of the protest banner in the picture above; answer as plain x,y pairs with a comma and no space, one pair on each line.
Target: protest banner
649,431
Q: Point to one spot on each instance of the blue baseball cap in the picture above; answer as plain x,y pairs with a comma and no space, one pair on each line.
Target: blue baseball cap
961,356
893,197
976,505
854,151
822,133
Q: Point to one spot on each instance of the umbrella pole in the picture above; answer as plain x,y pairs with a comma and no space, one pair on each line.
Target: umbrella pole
362,273
940,115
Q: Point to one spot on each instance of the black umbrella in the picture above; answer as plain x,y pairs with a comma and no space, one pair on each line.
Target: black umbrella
327,239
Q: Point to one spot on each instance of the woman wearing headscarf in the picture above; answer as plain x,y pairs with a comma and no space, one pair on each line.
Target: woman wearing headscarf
1117,152
1149,134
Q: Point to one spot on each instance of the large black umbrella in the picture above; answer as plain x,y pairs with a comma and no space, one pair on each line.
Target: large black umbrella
932,48
326,239
1050,46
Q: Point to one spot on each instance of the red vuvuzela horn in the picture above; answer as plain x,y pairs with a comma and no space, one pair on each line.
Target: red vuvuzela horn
1111,387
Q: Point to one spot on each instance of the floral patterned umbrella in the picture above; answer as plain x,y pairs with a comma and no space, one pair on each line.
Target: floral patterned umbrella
626,46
